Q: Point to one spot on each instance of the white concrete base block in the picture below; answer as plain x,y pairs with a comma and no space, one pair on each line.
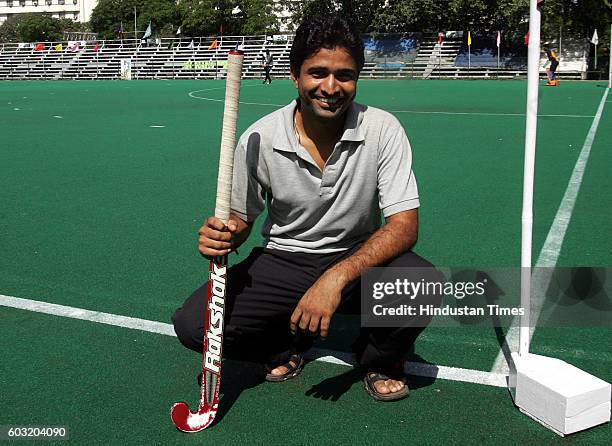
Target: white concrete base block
558,395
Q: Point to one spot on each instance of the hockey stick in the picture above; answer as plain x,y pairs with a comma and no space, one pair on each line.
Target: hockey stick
184,419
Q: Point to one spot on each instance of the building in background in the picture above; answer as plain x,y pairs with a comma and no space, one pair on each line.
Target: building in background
77,10
80,10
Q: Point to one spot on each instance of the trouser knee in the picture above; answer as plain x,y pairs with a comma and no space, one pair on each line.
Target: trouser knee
188,334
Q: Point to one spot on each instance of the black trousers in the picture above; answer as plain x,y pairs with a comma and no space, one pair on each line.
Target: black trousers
267,77
264,289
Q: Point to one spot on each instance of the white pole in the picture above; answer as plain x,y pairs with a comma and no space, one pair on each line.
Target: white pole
560,40
610,59
135,36
533,79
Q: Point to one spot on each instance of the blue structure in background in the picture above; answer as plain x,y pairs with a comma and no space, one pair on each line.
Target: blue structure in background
484,54
392,51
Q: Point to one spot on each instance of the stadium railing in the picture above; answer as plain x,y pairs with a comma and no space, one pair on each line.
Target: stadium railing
482,58
407,55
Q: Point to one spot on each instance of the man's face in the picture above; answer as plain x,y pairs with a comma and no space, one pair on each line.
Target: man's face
327,83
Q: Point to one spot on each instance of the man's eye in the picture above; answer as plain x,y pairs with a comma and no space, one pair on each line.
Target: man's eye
318,74
345,77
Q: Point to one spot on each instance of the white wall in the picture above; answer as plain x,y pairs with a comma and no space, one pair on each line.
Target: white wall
78,10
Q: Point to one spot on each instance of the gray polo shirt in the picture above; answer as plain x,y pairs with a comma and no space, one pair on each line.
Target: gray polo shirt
314,211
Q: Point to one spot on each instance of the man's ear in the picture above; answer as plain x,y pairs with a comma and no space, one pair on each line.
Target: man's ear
294,78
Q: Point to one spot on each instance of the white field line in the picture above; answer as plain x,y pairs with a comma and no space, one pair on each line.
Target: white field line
417,112
193,95
87,315
485,114
240,102
552,246
419,369
329,356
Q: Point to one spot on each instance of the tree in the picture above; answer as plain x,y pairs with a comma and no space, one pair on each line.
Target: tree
163,15
108,15
511,17
576,17
40,27
259,17
201,17
68,25
206,17
412,15
360,12
311,8
470,14
32,27
9,30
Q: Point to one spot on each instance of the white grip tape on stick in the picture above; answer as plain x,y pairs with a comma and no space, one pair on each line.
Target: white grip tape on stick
228,137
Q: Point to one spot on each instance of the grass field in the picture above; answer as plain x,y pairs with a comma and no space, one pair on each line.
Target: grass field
104,185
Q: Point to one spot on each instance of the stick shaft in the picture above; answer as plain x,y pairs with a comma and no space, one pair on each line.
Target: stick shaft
213,334
184,419
213,342
228,137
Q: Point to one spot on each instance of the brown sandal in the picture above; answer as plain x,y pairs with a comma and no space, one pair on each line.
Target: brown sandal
294,364
373,377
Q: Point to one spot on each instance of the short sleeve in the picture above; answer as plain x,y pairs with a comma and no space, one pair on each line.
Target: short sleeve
248,194
397,187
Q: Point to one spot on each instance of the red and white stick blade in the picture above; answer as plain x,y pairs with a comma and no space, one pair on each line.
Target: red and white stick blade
188,421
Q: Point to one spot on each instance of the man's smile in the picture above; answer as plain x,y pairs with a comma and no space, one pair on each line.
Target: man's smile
327,100
329,103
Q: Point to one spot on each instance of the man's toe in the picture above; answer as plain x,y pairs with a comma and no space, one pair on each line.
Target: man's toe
280,370
394,385
382,387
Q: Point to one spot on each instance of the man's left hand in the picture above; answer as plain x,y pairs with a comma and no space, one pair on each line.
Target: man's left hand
315,309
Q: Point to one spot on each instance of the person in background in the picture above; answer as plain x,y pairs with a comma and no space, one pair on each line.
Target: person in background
267,60
553,59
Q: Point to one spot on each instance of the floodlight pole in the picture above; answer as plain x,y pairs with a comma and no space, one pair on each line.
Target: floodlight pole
533,79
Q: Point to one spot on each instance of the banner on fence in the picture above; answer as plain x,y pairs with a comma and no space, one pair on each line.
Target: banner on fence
126,69
205,65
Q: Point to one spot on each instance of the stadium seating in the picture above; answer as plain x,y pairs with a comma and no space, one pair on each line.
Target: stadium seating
482,58
408,55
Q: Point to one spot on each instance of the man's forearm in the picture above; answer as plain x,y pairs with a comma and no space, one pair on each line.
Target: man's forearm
397,236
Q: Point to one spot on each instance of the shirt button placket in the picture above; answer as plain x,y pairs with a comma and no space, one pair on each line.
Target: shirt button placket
330,174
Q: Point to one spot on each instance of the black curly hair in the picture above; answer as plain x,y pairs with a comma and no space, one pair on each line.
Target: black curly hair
325,32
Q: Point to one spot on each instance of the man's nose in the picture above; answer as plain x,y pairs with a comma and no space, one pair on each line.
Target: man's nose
330,85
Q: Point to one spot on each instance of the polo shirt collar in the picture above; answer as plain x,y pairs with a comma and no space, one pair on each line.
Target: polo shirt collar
286,140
